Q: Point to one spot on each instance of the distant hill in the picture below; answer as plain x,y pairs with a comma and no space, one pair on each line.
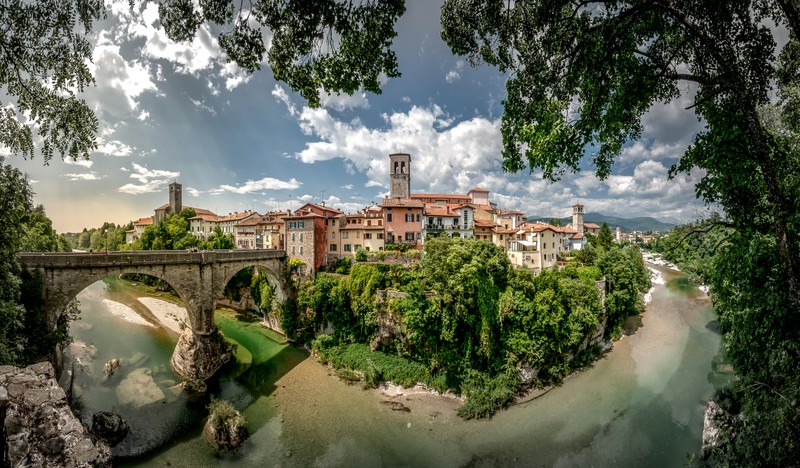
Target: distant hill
643,223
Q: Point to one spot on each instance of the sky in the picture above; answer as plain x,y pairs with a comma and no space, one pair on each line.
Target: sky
178,112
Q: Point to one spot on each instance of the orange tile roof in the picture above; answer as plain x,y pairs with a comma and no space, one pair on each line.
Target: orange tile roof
482,223
143,221
478,189
236,216
440,196
206,217
401,203
432,209
591,225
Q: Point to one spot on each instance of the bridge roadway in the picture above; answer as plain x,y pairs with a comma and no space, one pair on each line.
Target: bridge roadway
199,278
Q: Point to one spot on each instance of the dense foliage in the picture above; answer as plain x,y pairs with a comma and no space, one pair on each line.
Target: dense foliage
465,319
109,236
44,63
23,336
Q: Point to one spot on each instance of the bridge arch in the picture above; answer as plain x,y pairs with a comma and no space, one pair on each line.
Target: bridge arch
198,278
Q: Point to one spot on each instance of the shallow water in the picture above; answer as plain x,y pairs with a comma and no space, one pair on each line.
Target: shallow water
640,405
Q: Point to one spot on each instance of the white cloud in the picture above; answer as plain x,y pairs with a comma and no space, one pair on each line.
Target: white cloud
283,96
194,192
344,101
347,187
143,115
83,176
201,105
87,163
446,155
114,148
305,198
267,183
455,73
150,180
119,82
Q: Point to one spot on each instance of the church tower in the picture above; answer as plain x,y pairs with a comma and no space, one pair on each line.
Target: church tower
577,217
400,175
175,199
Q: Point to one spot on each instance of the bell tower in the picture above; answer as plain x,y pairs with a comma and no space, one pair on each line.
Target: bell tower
175,199
399,175
577,217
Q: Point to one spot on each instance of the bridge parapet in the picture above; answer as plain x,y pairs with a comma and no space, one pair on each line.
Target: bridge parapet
146,258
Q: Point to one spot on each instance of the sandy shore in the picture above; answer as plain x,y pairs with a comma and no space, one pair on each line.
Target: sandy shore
125,312
168,314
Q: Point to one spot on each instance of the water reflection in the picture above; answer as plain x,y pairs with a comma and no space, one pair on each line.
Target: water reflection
641,405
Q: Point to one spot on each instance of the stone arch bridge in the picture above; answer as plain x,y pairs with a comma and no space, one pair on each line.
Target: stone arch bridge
199,278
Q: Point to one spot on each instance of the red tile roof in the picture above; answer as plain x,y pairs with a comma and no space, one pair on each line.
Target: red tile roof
478,189
143,221
591,225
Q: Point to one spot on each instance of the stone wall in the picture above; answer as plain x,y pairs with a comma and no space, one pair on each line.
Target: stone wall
39,428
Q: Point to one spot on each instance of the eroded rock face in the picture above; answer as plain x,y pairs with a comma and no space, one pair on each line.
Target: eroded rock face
715,417
198,357
39,428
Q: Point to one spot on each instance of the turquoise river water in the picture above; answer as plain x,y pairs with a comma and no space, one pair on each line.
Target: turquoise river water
640,405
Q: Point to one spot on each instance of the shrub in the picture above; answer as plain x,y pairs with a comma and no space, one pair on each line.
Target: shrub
361,255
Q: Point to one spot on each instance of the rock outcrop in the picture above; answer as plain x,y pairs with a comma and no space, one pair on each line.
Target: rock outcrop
109,427
39,429
139,389
224,429
198,357
714,419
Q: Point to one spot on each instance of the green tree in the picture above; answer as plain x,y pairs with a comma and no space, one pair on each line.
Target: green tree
331,45
218,240
23,334
44,57
582,75
604,238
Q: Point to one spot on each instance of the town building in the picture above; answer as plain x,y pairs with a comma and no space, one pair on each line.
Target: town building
307,234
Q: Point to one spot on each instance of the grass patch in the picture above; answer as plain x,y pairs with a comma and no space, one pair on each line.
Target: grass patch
376,366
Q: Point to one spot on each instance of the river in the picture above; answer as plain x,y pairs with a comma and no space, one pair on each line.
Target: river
640,405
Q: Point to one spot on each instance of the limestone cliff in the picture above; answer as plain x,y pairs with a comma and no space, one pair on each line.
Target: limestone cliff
38,427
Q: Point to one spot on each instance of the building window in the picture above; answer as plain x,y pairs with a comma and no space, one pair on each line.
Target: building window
333,235
367,235
388,217
301,237
301,250
292,250
418,217
347,248
292,237
409,236
380,236
358,235
333,248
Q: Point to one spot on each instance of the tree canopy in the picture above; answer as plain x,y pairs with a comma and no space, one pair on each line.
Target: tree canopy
44,57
